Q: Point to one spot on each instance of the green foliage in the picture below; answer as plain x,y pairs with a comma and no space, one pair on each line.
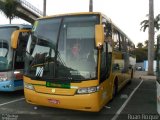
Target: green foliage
146,43
9,8
141,54
145,23
140,45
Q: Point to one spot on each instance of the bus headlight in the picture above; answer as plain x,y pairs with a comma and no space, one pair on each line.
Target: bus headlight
3,79
88,90
28,86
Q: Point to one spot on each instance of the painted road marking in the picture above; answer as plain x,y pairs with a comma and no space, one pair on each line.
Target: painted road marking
125,103
11,102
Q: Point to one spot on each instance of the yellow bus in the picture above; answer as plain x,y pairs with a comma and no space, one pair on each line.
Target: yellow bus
76,61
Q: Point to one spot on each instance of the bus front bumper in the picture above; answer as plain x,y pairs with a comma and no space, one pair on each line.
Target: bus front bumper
11,85
85,102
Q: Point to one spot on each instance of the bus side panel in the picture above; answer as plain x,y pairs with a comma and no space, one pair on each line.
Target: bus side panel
11,85
119,62
11,81
106,90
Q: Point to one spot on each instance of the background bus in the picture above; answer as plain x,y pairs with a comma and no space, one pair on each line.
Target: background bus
11,60
76,61
158,73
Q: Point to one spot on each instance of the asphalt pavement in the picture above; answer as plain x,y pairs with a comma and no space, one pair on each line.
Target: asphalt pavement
136,101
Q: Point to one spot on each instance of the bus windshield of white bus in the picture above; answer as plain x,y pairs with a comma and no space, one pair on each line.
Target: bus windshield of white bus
63,48
6,53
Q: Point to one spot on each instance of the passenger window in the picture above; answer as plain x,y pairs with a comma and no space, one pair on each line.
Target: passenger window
116,41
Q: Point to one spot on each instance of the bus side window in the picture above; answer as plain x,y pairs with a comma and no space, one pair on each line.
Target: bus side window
116,41
20,51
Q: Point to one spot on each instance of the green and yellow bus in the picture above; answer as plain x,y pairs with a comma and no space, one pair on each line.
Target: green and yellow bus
76,61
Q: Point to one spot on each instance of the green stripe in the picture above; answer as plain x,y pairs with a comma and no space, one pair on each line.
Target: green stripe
58,85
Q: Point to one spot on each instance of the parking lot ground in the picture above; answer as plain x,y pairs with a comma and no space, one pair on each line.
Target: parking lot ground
137,98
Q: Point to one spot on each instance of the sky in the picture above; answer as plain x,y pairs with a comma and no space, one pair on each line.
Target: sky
126,14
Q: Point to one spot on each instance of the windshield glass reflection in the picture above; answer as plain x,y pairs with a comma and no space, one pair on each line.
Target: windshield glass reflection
63,48
6,53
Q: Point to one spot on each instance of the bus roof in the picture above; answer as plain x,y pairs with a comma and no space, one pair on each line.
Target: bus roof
17,25
70,14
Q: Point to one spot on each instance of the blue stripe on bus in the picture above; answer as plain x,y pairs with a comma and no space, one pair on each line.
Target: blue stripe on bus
11,85
18,83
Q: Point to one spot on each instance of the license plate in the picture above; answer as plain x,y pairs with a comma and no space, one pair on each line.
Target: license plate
54,101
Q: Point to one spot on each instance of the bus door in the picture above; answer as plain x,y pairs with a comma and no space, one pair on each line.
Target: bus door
19,46
106,62
20,51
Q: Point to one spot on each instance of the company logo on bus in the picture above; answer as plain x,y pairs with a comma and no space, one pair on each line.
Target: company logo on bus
53,90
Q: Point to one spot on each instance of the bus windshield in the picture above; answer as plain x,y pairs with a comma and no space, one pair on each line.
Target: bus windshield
6,53
63,48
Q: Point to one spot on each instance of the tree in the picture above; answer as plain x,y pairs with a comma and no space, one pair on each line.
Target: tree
44,7
9,8
145,23
151,38
151,23
141,54
146,43
90,5
139,45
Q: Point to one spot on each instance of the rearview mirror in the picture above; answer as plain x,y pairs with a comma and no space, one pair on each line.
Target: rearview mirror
99,35
15,36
